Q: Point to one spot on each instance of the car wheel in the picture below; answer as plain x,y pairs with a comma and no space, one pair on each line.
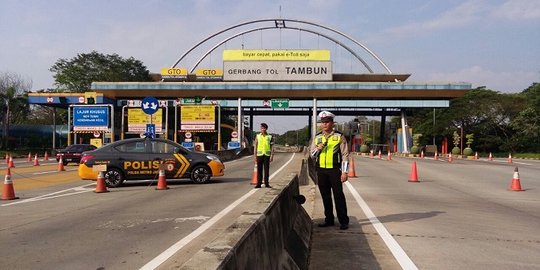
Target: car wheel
114,177
64,162
201,174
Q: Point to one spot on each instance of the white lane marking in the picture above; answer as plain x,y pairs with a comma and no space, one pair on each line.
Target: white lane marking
165,255
45,172
78,190
398,252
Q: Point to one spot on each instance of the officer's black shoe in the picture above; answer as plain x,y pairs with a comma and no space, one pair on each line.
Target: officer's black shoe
268,186
326,224
344,226
257,186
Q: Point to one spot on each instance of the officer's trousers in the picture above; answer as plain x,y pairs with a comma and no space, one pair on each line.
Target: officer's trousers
263,164
329,181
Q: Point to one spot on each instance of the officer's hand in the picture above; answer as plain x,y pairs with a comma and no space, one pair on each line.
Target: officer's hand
320,146
344,177
271,158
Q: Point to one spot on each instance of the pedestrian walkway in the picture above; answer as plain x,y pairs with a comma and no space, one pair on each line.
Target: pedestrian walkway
359,247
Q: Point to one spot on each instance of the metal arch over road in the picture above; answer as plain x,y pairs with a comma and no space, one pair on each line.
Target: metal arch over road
280,23
350,94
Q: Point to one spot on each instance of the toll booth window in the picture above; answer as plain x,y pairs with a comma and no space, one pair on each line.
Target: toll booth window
163,148
133,147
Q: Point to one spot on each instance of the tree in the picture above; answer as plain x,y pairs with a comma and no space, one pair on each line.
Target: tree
13,102
78,73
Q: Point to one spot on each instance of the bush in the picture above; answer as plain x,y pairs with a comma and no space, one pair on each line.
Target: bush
456,151
415,150
364,148
468,152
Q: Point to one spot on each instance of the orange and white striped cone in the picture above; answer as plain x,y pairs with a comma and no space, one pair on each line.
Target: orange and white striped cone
476,155
389,156
29,159
162,181
515,185
450,157
7,158
422,154
8,192
61,165
101,186
510,158
371,153
46,156
36,161
380,154
490,158
435,156
254,175
11,164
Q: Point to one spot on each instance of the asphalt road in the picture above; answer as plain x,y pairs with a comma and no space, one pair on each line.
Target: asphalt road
60,223
459,215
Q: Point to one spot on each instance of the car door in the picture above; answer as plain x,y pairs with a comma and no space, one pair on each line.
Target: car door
134,160
170,154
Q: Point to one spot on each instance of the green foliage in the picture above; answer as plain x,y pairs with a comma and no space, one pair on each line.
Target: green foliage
468,152
456,151
415,149
416,139
470,139
78,73
456,139
364,148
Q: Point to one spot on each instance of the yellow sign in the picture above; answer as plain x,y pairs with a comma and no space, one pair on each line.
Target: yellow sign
174,72
198,117
218,72
97,142
276,55
137,120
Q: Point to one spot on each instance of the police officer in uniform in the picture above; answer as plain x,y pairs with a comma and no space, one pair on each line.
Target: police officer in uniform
264,154
330,152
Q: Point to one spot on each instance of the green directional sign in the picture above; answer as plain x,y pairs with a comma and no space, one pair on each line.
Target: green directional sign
193,100
280,103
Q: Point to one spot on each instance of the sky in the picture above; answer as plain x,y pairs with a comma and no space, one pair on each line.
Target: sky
491,43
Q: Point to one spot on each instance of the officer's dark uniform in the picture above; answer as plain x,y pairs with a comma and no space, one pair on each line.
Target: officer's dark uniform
330,163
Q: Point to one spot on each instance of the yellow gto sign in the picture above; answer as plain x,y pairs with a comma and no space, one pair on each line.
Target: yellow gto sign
276,55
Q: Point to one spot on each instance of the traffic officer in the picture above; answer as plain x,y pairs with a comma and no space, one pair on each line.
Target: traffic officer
330,152
263,154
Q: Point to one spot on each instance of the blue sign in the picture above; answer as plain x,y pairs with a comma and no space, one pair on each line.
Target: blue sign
150,105
187,144
150,131
233,145
90,118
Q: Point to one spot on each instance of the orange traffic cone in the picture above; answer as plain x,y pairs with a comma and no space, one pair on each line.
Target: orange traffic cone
422,154
475,155
101,186
29,159
516,184
436,156
8,192
36,161
371,153
46,156
490,158
162,181
352,171
254,175
389,156
380,154
11,164
414,173
61,165
450,157
510,158
7,158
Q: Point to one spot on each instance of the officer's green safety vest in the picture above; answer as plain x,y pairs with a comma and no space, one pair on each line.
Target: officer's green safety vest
264,148
330,156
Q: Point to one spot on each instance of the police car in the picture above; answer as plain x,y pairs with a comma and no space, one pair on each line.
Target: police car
141,158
